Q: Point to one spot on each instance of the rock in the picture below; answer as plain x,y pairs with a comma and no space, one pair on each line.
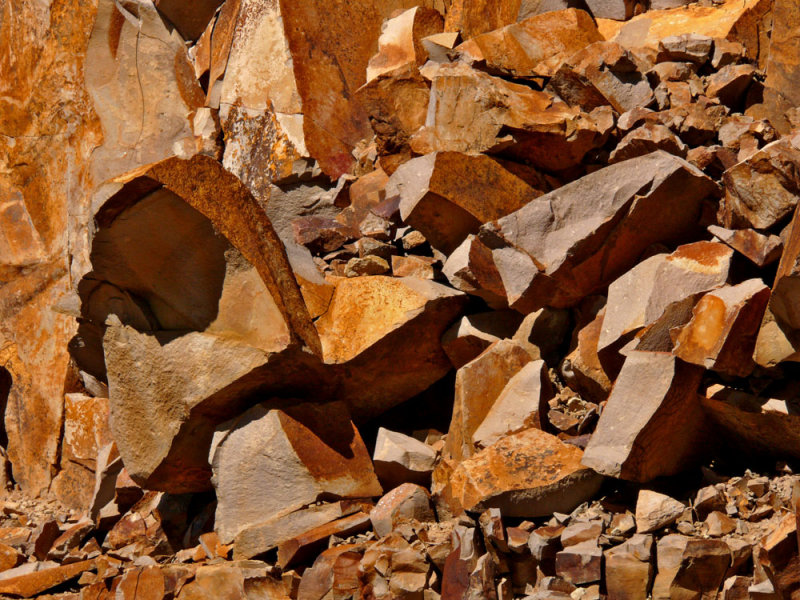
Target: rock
629,568
719,524
543,333
420,267
602,73
730,84
642,295
444,195
761,249
722,333
669,555
702,569
372,320
400,41
582,369
581,563
33,584
321,234
662,435
648,138
762,190
775,557
579,532
405,502
620,10
144,583
533,47
314,451
764,424
523,403
478,385
165,94
655,511
475,18
368,265
690,47
533,244
306,545
500,477
268,534
399,459
10,557
472,334
781,90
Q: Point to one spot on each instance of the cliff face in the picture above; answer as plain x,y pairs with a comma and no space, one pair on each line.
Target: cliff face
523,270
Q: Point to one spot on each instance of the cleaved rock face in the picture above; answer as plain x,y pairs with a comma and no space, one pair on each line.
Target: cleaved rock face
314,450
558,249
502,476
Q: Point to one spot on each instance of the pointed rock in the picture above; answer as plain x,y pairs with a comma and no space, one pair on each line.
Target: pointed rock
400,42
399,459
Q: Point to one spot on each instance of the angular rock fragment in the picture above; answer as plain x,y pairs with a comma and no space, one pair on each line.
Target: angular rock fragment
472,334
580,564
405,502
762,190
619,10
446,196
629,568
558,249
400,41
652,422
702,569
523,403
761,249
730,84
501,476
654,511
473,18
722,333
400,459
41,580
306,545
669,554
582,369
314,451
533,47
648,138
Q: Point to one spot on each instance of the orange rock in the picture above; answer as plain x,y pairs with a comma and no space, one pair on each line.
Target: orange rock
144,583
400,42
334,571
781,89
474,18
501,476
722,333
33,584
533,47
303,547
10,557
759,248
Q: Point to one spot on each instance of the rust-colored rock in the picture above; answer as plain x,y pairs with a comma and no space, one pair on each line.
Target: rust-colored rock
400,42
502,476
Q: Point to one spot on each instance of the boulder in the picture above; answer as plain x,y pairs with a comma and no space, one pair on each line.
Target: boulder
523,403
446,196
400,42
314,451
722,333
501,476
645,139
558,249
652,423
533,47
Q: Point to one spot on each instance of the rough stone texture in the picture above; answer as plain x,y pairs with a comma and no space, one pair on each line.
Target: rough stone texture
722,333
761,249
446,196
405,502
472,334
314,450
629,568
501,476
399,458
655,511
400,41
515,50
652,422
558,249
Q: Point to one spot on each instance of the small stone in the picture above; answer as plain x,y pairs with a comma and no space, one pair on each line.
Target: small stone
655,511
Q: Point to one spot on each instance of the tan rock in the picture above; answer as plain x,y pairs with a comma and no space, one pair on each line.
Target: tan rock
762,190
781,90
400,41
472,334
702,570
314,451
405,502
730,84
268,534
655,511
139,66
661,436
420,267
141,583
538,249
719,524
581,563
400,458
446,196
581,531
722,333
33,584
582,369
500,476
334,571
478,385
629,568
475,18
534,46
10,557
523,403
646,139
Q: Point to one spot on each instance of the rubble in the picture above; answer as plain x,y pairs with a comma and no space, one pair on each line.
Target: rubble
255,258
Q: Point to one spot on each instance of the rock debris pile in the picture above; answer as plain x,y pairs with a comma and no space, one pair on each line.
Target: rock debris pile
459,299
